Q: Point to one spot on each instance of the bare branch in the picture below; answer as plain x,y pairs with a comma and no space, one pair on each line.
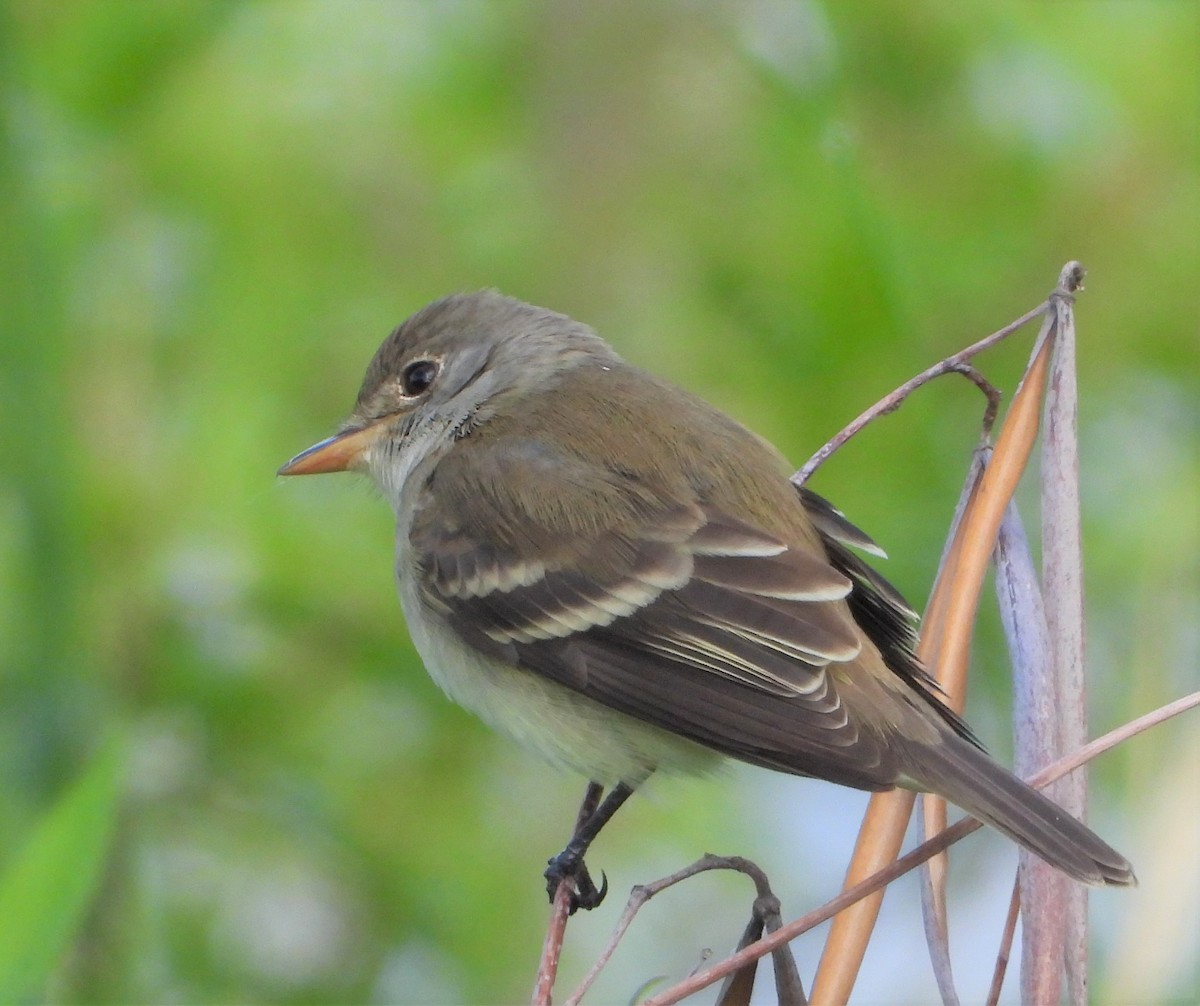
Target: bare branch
956,364
1006,942
560,911
944,648
644,892
914,859
933,901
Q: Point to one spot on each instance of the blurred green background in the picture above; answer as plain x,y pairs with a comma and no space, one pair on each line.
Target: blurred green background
210,215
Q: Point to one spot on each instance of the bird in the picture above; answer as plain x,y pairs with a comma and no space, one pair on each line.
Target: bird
622,578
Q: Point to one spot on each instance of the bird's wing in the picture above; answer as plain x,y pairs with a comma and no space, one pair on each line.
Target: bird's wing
676,614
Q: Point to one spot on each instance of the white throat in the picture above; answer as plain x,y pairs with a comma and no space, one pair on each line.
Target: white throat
429,433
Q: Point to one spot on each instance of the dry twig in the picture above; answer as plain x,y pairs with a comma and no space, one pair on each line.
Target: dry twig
913,859
944,648
1037,742
766,904
952,626
560,911
1062,584
1006,942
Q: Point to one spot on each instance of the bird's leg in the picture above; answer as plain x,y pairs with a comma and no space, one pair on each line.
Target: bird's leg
593,816
583,888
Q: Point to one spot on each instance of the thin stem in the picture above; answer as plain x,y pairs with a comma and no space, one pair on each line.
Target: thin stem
1062,585
644,892
915,858
932,818
560,911
944,648
1006,942
955,364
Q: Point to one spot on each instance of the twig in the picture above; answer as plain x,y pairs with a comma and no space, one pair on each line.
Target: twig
982,520
887,815
990,392
1114,737
644,892
932,808
560,911
1025,624
738,988
945,649
1006,942
913,859
932,817
956,364
933,905
1062,583
789,990
941,595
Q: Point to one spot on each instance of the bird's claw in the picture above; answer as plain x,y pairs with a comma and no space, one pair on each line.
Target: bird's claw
584,893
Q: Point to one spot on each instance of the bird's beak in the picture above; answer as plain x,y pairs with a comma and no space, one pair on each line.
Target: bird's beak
334,454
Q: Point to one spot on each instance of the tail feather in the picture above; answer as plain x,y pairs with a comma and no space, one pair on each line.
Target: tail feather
968,777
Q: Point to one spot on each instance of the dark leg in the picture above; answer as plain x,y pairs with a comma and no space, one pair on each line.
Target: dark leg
585,890
591,800
593,816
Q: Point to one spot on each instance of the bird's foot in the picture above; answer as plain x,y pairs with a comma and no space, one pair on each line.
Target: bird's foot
584,893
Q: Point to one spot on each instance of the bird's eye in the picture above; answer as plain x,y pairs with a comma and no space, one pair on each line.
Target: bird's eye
419,376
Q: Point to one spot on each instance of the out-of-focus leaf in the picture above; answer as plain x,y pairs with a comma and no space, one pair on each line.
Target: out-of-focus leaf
45,891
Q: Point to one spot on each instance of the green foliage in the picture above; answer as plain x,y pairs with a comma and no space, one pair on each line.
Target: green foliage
211,213
46,889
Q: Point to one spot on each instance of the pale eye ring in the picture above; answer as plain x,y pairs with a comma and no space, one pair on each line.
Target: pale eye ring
418,376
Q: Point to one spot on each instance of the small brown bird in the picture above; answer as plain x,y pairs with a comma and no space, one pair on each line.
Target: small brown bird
621,577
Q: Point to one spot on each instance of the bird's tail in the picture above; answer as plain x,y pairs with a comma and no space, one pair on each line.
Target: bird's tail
968,777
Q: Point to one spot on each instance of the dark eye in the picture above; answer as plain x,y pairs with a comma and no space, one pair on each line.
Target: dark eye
419,376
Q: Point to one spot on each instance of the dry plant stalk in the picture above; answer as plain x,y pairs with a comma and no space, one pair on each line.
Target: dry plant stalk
1005,951
740,982
1062,579
560,911
911,860
944,648
1038,740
